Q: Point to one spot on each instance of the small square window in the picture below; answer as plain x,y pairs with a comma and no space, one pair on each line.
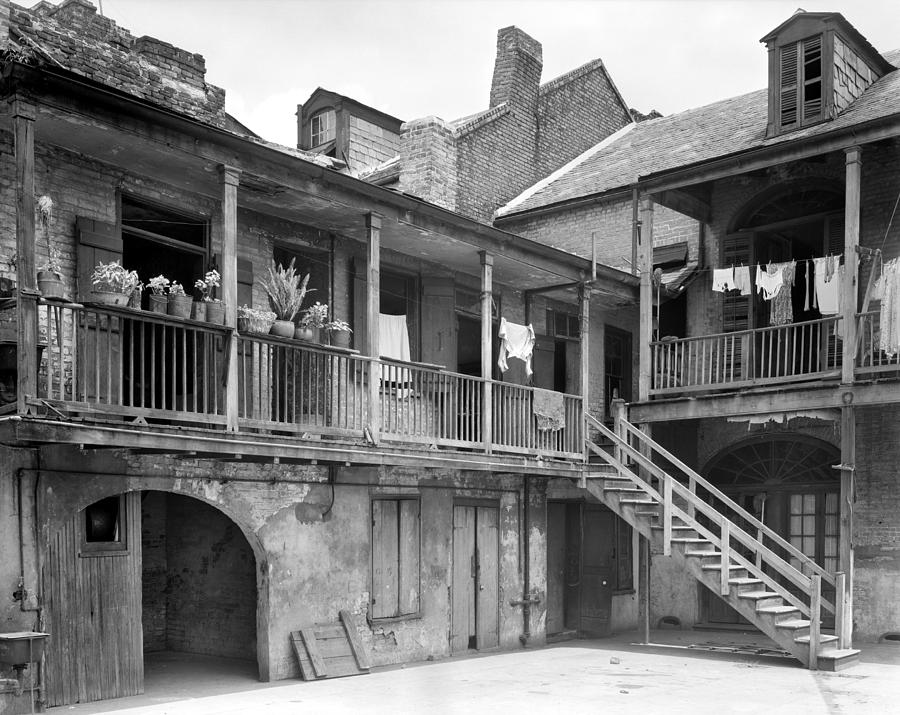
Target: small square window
104,525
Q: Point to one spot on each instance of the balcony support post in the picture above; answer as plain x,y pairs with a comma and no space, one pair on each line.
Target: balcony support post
229,178
487,335
845,527
645,266
23,114
851,260
373,312
584,295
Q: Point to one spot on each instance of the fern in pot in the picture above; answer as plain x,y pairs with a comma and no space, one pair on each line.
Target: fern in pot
286,290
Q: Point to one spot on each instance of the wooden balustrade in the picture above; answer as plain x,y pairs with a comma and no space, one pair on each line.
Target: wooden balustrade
870,358
131,362
517,426
783,353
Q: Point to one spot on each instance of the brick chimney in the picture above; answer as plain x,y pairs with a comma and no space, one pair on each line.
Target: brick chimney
517,69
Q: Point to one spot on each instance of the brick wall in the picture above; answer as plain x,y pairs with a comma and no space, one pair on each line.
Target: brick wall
370,144
154,574
211,582
428,155
94,46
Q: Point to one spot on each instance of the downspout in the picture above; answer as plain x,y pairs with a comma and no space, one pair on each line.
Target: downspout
21,593
526,573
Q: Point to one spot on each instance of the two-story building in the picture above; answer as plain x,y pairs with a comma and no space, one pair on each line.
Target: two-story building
764,229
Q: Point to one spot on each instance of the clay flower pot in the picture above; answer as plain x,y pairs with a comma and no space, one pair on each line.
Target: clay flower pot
180,306
283,329
215,312
158,303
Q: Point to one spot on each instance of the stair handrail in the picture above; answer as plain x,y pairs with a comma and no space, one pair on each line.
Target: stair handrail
728,529
695,479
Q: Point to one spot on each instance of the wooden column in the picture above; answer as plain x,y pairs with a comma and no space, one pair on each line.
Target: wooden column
584,297
645,266
845,543
373,311
229,178
851,260
644,588
23,115
487,353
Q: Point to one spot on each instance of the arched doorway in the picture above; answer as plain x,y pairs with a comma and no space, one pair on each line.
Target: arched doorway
139,575
787,482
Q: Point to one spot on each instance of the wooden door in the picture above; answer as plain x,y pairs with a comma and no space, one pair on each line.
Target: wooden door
475,591
556,567
92,596
598,570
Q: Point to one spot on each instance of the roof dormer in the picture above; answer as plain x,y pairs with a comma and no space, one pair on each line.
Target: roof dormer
818,65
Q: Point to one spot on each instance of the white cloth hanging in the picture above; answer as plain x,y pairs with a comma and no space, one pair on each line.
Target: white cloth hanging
889,329
516,341
828,284
769,284
723,279
393,337
742,279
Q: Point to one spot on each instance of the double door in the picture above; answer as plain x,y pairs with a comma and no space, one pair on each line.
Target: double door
475,617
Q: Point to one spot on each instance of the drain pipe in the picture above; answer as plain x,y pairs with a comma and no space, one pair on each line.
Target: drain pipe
21,594
527,598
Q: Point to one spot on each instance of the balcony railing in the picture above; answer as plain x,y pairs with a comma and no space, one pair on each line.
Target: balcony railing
779,354
871,360
106,362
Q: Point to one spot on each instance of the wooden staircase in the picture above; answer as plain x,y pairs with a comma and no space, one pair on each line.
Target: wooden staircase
761,575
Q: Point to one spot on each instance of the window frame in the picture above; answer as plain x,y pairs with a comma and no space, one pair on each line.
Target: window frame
93,549
325,134
397,498
799,87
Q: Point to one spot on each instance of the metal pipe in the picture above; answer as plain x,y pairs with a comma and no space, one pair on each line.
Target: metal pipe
22,593
526,572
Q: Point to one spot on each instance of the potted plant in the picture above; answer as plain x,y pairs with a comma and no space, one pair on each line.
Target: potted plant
314,319
49,275
286,291
215,309
179,304
254,320
158,299
8,285
113,284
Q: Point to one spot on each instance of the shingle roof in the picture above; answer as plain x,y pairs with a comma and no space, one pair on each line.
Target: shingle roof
696,135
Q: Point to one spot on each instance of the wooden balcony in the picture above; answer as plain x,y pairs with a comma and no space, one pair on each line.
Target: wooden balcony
106,365
799,352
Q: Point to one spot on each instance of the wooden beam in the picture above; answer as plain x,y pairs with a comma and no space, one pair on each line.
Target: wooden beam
851,261
373,313
584,296
23,114
645,268
845,540
685,203
229,178
487,340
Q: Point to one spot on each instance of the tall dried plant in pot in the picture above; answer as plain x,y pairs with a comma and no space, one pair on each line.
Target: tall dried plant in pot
286,290
49,275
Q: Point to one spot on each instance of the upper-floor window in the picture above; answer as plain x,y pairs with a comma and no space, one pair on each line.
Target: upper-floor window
321,127
801,82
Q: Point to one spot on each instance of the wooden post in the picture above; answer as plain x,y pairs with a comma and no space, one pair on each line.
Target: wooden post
373,311
845,528
229,178
725,562
487,314
667,515
840,610
584,296
645,266
619,413
851,260
815,617
23,114
644,587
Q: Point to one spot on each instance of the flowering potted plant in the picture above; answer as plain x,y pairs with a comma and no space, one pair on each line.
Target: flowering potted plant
286,291
179,304
254,320
113,284
158,300
215,309
49,275
315,318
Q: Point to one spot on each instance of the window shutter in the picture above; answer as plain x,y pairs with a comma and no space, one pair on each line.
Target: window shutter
359,304
789,85
244,279
834,234
97,241
439,322
385,552
736,314
408,552
812,77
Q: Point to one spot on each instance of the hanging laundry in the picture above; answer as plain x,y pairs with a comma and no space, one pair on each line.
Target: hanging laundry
393,337
828,289
769,284
515,341
809,302
781,310
723,279
742,280
889,329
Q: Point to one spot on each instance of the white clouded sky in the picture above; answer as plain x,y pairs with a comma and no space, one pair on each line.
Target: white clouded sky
413,59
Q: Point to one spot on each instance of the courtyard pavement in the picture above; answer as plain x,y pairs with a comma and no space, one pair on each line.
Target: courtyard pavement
681,672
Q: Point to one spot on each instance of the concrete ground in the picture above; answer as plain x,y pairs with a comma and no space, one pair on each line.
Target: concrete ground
682,672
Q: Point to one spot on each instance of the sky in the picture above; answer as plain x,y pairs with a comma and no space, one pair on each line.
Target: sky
435,57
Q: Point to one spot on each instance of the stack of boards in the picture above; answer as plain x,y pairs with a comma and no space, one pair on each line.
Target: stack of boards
330,650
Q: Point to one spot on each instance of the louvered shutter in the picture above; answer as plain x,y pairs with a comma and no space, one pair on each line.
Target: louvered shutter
812,78
97,241
789,86
834,234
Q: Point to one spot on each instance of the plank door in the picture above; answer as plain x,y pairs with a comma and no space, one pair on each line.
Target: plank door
92,596
556,567
598,571
475,591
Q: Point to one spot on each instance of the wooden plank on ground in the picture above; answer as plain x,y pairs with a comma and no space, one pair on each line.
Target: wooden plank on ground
356,644
312,650
306,669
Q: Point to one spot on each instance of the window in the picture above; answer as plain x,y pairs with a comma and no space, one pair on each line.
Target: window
315,262
321,128
563,325
616,364
104,526
624,556
801,82
395,558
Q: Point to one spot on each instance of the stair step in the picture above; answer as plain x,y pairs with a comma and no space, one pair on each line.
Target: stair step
838,659
704,554
739,581
624,490
793,624
777,610
646,513
715,567
696,541
643,502
760,596
823,639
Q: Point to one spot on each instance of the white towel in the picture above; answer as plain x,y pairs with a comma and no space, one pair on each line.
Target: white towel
723,279
515,341
393,337
742,279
